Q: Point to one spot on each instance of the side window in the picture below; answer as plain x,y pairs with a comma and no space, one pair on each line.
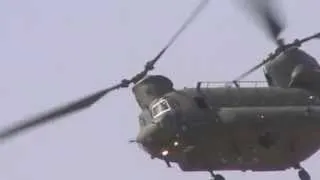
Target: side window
201,103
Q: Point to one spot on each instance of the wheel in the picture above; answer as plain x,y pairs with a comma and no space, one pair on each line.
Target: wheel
218,177
304,175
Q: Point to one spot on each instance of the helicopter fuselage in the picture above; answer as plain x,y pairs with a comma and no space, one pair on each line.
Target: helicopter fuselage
229,128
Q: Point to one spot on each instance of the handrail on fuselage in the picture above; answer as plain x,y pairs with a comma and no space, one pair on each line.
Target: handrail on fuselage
230,84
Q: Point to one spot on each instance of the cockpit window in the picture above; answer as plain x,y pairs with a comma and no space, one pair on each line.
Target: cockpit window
160,107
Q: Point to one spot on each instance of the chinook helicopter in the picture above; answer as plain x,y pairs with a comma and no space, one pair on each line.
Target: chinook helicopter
232,126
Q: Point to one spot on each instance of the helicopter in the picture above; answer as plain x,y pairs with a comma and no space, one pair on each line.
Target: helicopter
271,125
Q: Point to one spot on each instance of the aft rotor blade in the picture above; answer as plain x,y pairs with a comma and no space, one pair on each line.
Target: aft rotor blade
264,10
251,70
275,54
273,23
58,112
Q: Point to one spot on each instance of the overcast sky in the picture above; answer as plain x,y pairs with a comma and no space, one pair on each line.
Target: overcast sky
55,51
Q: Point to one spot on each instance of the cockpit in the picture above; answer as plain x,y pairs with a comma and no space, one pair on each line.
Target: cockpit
158,127
160,107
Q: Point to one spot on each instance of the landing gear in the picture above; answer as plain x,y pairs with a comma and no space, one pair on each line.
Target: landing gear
303,174
216,176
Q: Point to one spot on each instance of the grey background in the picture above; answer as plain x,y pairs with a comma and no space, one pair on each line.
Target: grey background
54,51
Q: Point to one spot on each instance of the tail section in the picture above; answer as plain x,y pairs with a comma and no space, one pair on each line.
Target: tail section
306,78
294,68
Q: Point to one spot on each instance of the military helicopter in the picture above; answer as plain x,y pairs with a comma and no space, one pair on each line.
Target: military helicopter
237,125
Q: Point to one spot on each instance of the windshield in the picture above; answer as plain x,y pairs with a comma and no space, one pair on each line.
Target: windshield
160,107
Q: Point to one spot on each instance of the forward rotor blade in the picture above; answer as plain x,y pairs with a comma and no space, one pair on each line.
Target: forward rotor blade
89,100
315,36
184,26
58,112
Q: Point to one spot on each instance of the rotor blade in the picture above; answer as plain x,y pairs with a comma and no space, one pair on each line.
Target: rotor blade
251,70
274,55
89,100
272,21
265,11
317,36
67,109
184,26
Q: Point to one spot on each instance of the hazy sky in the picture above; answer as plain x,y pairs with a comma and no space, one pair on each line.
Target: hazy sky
54,51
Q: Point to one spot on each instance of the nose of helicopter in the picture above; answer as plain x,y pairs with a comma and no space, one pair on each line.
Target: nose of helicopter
156,134
159,130
147,133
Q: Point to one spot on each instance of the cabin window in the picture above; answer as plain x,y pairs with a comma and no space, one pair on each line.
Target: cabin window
201,103
159,108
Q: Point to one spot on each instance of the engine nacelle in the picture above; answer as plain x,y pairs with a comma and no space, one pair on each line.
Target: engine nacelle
281,68
151,88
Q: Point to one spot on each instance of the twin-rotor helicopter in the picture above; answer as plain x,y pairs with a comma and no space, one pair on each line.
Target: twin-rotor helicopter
272,127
